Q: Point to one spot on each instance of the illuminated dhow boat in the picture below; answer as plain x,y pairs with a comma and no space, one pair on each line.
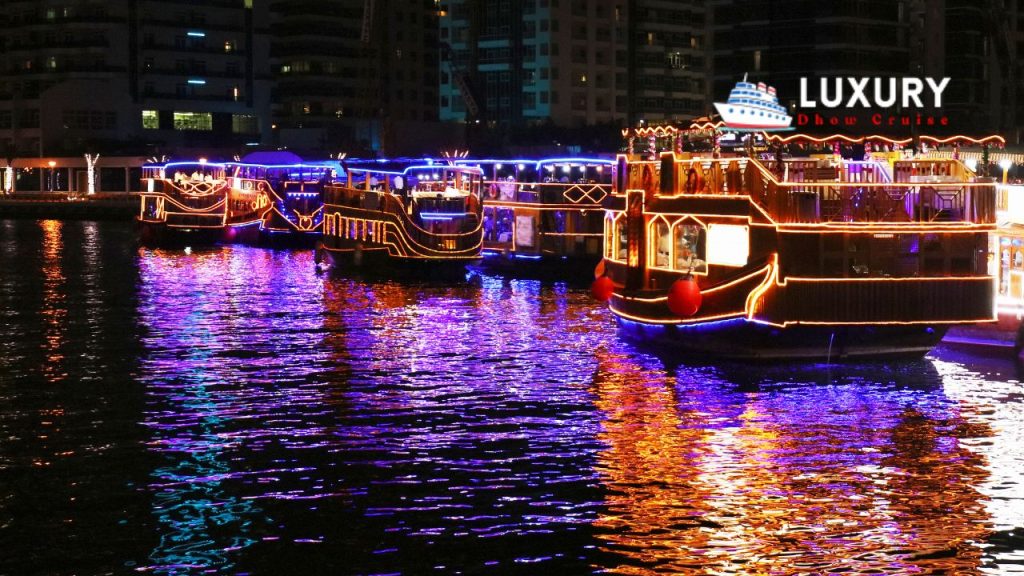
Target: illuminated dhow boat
295,213
199,202
754,107
796,258
544,217
422,214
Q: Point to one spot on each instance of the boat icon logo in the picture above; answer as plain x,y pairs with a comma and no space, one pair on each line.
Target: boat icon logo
753,107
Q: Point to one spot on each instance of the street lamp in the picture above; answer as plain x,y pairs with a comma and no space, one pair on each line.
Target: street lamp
1005,164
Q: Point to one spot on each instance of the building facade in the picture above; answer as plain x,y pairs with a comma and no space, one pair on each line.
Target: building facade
974,43
354,74
571,63
983,40
780,41
90,75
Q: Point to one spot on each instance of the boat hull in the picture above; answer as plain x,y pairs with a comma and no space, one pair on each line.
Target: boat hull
373,261
1004,336
740,339
161,234
570,269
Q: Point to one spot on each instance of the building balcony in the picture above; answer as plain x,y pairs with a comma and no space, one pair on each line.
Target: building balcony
77,44
192,73
179,25
193,98
211,50
63,71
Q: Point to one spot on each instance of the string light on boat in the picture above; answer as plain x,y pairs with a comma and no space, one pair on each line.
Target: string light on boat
935,141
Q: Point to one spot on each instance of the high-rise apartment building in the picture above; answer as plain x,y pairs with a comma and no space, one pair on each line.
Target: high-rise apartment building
974,43
354,73
571,62
132,75
780,41
983,40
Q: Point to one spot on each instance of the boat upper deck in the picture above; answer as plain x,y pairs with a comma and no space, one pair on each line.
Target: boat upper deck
552,182
808,191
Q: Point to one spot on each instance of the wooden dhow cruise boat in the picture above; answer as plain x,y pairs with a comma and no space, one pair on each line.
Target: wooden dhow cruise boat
295,189
543,218
386,214
199,202
798,258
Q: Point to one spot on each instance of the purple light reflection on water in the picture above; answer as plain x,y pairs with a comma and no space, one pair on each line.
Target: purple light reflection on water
237,413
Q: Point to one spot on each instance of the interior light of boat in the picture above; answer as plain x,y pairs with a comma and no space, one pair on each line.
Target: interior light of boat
728,244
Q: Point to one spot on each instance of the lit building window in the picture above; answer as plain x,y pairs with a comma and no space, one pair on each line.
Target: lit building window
243,124
193,121
150,119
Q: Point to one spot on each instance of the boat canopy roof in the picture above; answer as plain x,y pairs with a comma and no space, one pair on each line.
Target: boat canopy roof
400,168
272,158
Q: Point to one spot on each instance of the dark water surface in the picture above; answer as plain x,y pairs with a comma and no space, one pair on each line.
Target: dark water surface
229,411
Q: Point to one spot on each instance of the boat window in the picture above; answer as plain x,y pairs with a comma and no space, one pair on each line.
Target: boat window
688,248
609,239
622,239
661,245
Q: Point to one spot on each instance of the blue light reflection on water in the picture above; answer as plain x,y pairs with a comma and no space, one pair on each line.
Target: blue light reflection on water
293,423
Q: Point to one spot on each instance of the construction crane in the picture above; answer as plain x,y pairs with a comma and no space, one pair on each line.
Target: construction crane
459,79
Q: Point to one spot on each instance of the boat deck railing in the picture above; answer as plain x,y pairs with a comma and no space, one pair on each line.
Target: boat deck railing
189,196
805,191
574,194
397,209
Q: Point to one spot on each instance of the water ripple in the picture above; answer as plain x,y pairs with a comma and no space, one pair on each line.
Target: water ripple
229,411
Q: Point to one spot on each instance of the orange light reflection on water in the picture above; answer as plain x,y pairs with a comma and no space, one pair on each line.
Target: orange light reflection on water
54,308
705,478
